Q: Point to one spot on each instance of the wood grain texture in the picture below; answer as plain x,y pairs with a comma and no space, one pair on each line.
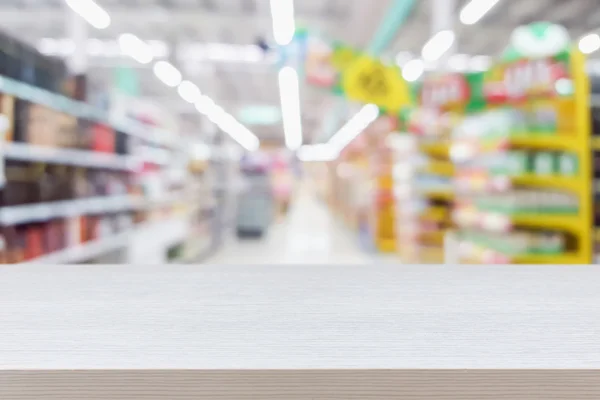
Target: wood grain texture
299,317
301,385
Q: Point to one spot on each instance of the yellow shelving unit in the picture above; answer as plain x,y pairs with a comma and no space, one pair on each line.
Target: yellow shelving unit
560,141
442,195
431,249
435,149
567,223
435,214
441,168
548,182
577,142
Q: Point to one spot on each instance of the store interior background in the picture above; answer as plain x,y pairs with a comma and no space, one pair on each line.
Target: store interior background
213,152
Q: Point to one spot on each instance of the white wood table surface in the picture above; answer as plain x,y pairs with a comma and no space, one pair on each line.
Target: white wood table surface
220,317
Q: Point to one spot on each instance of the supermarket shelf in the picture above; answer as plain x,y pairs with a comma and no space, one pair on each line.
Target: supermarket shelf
439,150
435,214
85,251
14,215
432,237
83,110
387,245
446,195
566,142
26,152
552,182
569,223
430,255
565,259
503,222
442,168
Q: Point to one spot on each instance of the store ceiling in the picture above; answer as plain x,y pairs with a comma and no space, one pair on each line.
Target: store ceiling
490,35
241,77
191,33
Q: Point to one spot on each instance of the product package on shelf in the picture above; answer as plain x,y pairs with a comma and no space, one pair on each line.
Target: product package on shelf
442,100
523,163
595,148
381,166
67,192
408,208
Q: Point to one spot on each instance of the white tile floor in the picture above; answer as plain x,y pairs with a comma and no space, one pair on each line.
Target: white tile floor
308,235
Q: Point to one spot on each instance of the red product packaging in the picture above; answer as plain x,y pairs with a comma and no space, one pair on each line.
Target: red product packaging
103,138
34,240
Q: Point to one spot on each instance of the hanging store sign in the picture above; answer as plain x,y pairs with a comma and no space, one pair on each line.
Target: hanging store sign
528,78
369,81
445,91
350,73
452,91
535,64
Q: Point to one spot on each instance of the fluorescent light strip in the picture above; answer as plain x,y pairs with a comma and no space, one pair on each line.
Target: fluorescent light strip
589,43
189,92
91,12
226,122
135,48
205,105
167,73
438,45
289,92
284,24
413,70
475,10
317,152
354,127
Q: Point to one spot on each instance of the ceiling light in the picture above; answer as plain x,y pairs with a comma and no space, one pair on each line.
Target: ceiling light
241,134
205,105
218,113
317,152
91,12
413,70
188,91
284,25
289,92
439,44
167,73
354,126
589,43
135,48
227,123
475,10
480,63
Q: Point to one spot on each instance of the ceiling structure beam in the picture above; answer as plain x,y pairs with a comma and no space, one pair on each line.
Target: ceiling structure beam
129,17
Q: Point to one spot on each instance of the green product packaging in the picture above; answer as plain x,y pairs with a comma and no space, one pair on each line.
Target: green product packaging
544,163
548,243
517,163
568,164
518,122
546,118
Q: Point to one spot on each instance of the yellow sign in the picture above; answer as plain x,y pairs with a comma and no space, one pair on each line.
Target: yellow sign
369,81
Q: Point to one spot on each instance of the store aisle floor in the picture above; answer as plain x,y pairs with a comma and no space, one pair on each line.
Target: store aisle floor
308,235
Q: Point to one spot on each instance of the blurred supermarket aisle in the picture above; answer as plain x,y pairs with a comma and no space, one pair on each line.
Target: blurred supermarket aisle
308,235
